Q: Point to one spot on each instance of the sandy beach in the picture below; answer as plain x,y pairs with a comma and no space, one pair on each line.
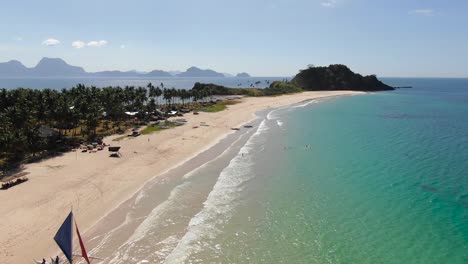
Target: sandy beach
94,184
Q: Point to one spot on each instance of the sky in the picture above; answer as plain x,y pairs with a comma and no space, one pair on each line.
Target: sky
398,38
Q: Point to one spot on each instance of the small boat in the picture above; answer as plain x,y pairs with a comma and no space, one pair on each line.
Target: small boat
248,126
235,128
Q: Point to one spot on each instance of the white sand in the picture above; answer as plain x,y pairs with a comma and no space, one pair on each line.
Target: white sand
94,184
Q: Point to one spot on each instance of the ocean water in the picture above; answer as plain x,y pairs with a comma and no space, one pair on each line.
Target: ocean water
169,82
374,178
377,178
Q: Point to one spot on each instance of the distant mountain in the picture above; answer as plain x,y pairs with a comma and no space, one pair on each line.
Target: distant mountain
115,74
197,72
13,68
243,75
158,73
47,67
139,72
133,73
174,73
56,67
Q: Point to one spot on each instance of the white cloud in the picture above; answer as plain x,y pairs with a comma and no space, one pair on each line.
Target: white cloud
51,42
94,43
329,3
19,39
122,46
426,12
78,44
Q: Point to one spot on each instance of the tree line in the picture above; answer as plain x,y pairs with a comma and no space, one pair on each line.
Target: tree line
77,113
25,112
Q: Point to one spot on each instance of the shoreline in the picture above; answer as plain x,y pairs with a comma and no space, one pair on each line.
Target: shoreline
97,185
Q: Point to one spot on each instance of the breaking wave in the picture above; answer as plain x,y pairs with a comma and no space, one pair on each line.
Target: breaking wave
217,208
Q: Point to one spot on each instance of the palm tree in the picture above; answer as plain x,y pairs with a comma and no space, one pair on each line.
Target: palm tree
141,97
158,92
151,95
174,94
167,95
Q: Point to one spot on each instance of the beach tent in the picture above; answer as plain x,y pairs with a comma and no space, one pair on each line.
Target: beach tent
114,151
131,113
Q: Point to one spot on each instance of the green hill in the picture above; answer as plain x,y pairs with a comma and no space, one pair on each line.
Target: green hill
337,77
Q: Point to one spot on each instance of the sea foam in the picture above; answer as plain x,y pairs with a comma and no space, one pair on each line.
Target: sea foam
122,255
315,101
218,206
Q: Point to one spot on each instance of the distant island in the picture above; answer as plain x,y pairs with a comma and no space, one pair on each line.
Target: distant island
197,72
56,67
337,77
45,67
243,75
332,77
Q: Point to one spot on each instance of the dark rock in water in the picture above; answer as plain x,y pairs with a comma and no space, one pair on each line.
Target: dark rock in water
337,77
428,188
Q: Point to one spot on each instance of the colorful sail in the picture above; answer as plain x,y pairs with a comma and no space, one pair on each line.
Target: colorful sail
83,249
64,237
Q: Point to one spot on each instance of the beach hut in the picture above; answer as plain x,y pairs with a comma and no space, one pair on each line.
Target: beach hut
47,132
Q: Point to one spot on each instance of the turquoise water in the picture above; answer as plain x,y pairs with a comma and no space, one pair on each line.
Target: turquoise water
376,178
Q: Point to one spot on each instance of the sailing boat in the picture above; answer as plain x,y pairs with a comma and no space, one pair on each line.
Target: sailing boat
64,239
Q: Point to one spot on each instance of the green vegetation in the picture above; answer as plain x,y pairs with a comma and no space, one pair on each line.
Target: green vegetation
214,89
278,88
120,138
219,106
158,127
337,77
275,88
